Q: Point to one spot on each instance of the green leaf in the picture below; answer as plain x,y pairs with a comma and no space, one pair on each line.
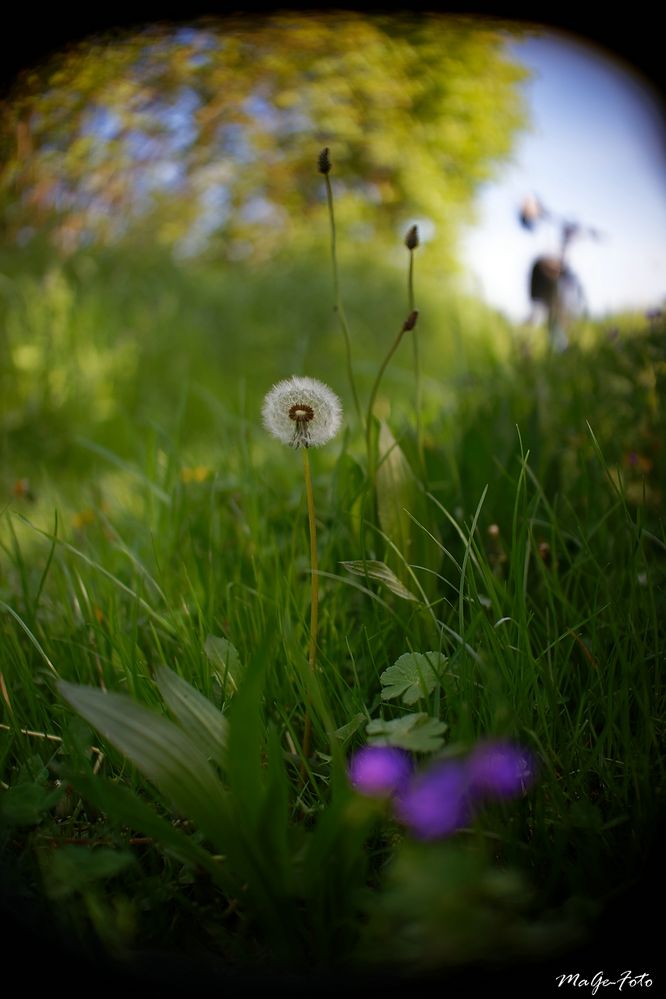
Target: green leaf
71,869
25,804
123,805
348,484
259,788
274,816
222,654
418,732
32,771
205,725
340,832
413,676
348,481
161,751
345,732
396,491
380,572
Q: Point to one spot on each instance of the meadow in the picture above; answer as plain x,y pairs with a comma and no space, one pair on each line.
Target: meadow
500,509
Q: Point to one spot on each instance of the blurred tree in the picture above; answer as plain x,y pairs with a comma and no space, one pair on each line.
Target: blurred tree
205,137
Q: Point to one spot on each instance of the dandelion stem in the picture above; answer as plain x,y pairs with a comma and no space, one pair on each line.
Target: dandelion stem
408,324
314,600
338,308
417,365
371,406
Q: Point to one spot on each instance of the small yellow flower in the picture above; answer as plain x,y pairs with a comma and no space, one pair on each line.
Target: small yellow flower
197,474
83,519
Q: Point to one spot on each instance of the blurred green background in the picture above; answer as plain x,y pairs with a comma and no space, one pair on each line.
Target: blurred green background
165,230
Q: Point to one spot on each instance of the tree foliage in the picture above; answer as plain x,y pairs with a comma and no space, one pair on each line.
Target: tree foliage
208,135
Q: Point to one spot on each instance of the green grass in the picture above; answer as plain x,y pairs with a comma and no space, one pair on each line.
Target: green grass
160,513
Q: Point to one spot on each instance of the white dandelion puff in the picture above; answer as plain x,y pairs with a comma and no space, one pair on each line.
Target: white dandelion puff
302,412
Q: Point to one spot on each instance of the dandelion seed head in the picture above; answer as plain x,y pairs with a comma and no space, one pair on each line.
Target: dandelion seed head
302,412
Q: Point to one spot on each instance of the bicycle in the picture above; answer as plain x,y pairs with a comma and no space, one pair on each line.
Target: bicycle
552,281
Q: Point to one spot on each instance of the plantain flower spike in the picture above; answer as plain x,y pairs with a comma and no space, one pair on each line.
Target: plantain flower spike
324,161
412,237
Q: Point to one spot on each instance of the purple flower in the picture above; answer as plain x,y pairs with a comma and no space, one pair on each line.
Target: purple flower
379,771
436,803
500,770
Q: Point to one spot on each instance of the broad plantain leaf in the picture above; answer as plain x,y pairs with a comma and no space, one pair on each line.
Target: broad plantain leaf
418,732
127,808
380,572
222,654
162,752
413,676
205,725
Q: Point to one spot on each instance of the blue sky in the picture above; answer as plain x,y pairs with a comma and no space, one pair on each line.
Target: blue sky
596,154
